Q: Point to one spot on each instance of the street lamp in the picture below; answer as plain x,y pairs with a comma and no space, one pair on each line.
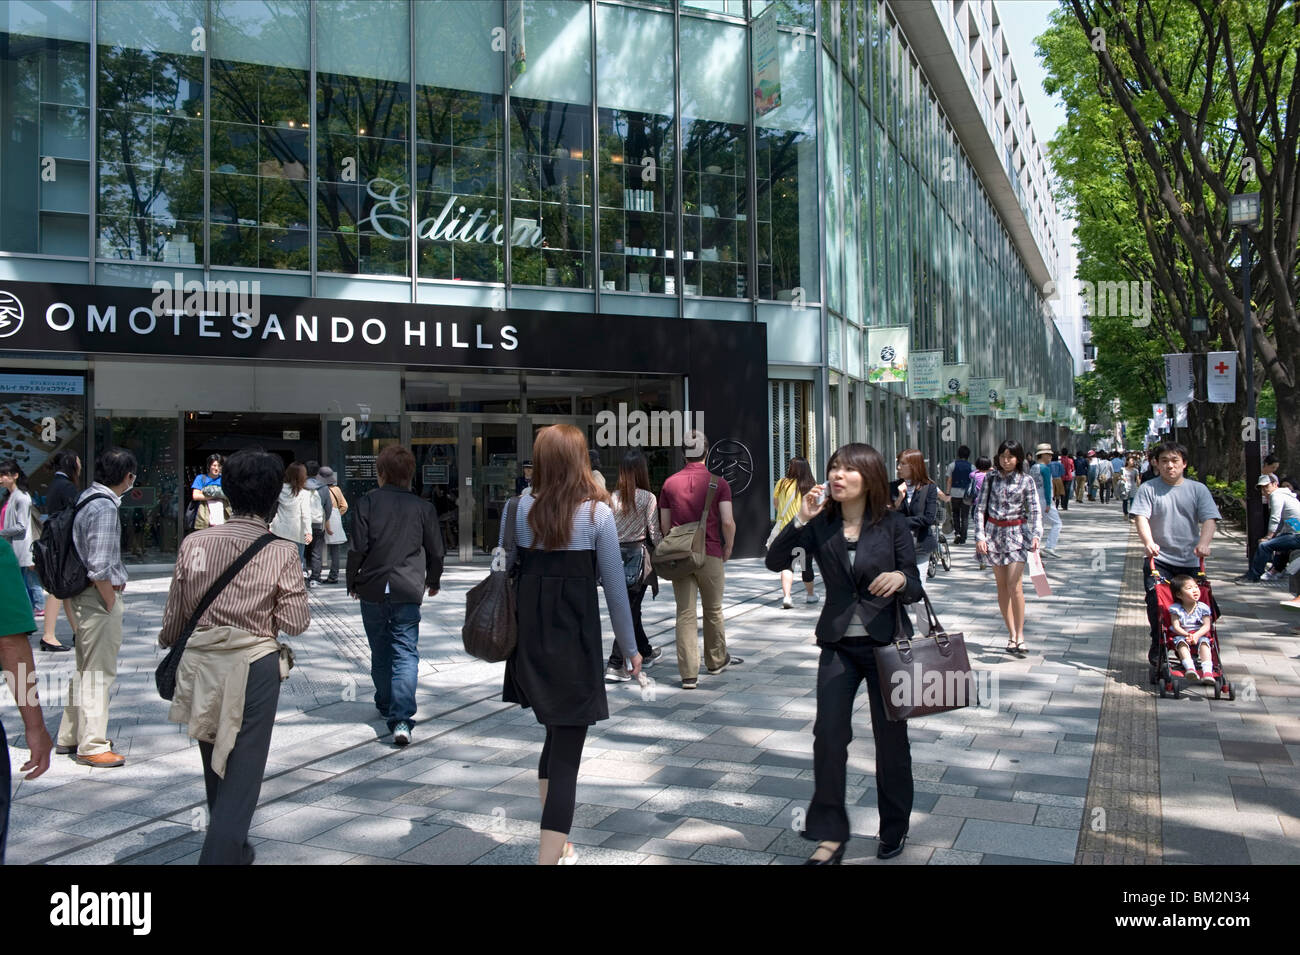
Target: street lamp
1243,211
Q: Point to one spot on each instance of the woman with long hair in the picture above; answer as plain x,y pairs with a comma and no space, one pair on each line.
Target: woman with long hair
789,491
867,558
1008,525
16,527
918,501
636,520
293,512
566,539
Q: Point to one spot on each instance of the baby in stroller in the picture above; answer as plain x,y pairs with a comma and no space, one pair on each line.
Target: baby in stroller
1190,621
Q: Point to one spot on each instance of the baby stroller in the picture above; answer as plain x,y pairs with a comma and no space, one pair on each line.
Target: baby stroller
942,554
1169,675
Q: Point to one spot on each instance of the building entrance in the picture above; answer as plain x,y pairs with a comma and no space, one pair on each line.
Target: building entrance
292,437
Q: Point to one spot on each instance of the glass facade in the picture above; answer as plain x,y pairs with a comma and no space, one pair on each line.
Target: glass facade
595,155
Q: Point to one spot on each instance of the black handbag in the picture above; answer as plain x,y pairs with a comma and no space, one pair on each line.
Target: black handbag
491,627
165,676
923,675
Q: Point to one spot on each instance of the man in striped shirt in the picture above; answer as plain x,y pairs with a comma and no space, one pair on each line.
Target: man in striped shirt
97,612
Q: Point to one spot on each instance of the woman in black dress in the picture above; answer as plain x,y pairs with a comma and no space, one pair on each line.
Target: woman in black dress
567,539
867,559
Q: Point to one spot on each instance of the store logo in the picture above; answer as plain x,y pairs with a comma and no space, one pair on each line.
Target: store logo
954,385
11,314
733,461
887,353
389,218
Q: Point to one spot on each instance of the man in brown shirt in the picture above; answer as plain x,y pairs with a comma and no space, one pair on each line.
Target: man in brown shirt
266,598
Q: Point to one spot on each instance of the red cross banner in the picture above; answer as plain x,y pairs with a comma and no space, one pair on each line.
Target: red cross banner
1221,377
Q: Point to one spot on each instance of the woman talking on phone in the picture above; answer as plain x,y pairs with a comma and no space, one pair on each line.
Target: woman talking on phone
867,559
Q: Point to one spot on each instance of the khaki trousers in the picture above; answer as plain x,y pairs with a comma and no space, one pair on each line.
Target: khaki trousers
710,581
99,638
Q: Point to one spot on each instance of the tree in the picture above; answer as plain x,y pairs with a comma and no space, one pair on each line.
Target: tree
1179,104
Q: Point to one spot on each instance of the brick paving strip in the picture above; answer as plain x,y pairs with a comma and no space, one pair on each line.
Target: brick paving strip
1122,822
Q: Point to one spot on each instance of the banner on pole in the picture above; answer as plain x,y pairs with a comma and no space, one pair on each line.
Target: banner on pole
1180,415
926,378
1221,377
887,354
1180,380
956,384
515,30
767,63
1160,415
979,396
997,395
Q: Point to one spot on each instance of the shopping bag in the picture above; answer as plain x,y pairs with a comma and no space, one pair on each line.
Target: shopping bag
1037,575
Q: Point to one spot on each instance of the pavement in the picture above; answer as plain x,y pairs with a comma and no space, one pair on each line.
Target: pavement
1070,758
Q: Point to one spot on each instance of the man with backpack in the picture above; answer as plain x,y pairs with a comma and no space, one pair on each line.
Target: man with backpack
97,611
322,505
958,490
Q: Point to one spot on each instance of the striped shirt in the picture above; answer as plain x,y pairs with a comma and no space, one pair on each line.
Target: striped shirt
632,525
97,536
596,533
268,596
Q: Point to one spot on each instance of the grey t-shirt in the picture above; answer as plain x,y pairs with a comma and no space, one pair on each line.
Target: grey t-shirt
1175,512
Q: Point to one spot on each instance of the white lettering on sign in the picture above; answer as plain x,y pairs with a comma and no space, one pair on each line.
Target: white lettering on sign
388,217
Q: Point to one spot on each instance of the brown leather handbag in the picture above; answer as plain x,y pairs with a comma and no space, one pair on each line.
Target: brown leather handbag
930,674
491,627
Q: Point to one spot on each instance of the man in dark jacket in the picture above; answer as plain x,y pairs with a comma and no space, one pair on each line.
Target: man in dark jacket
394,557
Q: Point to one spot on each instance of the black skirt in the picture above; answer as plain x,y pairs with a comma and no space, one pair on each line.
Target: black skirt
558,665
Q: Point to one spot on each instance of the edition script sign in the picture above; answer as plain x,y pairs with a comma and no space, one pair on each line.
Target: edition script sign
389,218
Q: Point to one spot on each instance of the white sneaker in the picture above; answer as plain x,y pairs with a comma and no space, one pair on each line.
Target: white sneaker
614,675
1051,553
786,603
1269,575
812,599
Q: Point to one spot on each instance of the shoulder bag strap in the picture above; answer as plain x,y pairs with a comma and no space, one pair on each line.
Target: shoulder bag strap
231,572
508,539
697,543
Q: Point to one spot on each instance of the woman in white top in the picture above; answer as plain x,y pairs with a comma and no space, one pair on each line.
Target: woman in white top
17,528
293,518
634,510
1128,482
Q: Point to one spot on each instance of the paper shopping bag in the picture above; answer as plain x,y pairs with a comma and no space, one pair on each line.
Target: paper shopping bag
1038,576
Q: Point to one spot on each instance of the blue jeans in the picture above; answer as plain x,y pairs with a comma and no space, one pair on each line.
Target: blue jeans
393,630
32,581
1266,549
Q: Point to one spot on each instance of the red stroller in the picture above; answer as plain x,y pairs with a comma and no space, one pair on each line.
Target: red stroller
1169,674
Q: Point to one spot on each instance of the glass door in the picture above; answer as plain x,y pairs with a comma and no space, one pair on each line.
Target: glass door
494,461
436,443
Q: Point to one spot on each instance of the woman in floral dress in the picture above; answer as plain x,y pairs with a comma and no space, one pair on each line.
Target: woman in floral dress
1008,524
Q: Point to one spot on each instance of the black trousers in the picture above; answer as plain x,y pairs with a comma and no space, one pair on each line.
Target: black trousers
960,514
561,755
231,800
316,550
1169,572
634,597
842,667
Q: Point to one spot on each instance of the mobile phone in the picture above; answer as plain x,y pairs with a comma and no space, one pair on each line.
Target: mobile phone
821,497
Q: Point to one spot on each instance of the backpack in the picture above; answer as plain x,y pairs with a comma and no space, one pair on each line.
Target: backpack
681,552
60,567
961,470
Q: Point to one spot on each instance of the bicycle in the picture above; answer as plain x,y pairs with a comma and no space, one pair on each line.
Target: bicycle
941,556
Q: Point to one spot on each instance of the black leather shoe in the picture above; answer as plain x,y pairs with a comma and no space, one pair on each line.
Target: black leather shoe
836,857
53,648
888,852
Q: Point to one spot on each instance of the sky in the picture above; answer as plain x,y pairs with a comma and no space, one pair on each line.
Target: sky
1022,22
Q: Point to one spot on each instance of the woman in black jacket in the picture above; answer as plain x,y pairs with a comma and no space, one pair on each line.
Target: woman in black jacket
918,501
867,559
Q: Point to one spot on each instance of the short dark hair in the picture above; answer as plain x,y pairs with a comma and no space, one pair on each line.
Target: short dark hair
1065,452
313,467
983,463
963,452
214,457
1181,581
1171,447
252,480
113,465
10,466
396,465
1017,451
66,461
1270,459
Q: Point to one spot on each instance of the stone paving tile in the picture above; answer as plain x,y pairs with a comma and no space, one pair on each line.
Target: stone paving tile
955,857
301,824
1033,842
728,855
454,847
974,808
732,835
376,835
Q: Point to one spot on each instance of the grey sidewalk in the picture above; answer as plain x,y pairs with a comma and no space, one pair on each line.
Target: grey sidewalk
721,774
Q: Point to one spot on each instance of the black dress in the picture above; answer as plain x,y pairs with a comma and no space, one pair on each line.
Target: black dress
558,664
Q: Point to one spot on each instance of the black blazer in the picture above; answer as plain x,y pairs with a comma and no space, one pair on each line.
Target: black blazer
395,542
920,514
882,547
62,493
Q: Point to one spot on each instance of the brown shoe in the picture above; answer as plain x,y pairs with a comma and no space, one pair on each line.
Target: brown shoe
105,760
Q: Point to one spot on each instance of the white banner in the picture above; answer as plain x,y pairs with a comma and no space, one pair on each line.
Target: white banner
1221,377
887,353
926,378
956,384
1180,415
1160,415
1180,381
767,63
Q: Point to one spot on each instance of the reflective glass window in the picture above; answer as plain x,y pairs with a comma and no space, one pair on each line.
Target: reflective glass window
834,186
150,131
637,150
550,162
460,194
787,180
45,127
363,97
261,116
714,157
